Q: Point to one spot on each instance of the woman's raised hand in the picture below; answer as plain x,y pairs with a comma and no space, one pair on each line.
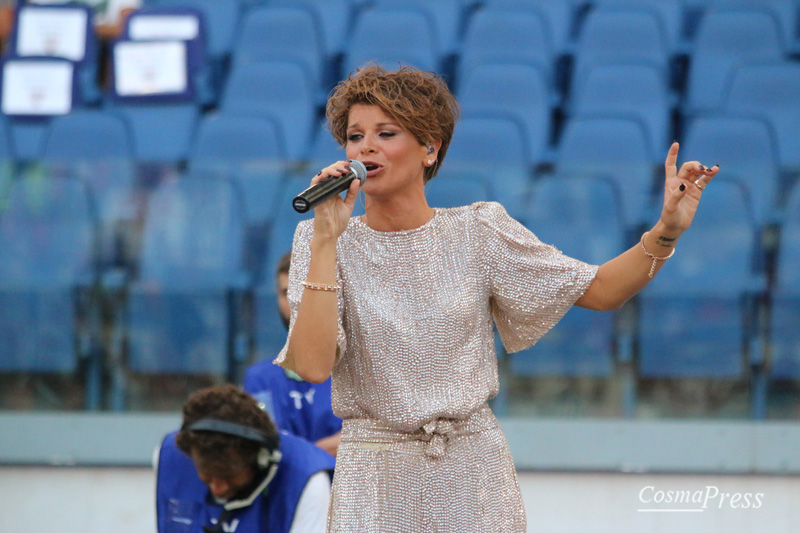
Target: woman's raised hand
332,216
683,189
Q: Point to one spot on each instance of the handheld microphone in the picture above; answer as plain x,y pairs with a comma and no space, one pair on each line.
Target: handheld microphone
316,194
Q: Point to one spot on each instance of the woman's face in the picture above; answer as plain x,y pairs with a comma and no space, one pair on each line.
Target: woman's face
393,157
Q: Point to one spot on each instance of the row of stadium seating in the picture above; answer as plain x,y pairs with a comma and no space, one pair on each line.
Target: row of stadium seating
195,307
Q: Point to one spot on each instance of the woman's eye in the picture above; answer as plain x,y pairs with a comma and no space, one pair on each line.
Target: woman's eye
387,134
354,137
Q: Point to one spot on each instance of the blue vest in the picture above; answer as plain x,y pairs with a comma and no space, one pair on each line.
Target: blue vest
301,408
184,504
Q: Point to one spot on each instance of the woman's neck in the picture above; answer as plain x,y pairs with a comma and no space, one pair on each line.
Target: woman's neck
396,214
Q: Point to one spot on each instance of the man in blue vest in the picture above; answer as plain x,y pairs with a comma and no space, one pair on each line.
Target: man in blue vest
229,470
301,408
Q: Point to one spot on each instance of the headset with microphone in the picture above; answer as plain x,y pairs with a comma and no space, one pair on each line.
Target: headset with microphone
269,455
269,452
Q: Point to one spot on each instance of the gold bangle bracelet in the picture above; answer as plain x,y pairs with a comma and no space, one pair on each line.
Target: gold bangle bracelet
320,286
655,258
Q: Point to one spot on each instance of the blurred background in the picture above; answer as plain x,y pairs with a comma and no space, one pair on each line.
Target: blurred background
149,151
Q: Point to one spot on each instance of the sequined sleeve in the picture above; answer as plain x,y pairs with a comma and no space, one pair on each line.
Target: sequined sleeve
532,284
301,257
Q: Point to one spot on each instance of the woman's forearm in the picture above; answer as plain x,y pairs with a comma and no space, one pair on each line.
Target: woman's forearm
313,342
621,278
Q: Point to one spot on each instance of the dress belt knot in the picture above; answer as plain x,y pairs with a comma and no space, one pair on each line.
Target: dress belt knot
436,433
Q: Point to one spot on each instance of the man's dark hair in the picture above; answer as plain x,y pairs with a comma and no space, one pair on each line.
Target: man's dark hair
222,453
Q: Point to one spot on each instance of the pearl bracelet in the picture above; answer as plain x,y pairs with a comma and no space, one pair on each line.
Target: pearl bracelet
655,259
320,286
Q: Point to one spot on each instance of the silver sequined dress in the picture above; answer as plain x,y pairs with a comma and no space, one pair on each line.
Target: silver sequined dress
421,451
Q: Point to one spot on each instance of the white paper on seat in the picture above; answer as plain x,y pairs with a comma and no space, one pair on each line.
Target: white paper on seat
150,67
37,88
164,27
52,32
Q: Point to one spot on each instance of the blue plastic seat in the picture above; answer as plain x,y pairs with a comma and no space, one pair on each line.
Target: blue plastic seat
281,234
277,91
324,149
247,149
726,40
559,18
186,24
561,211
669,13
629,91
405,38
620,36
454,191
784,336
447,17
222,21
615,149
96,146
696,318
28,39
783,11
494,149
770,91
28,121
48,239
281,34
745,149
331,16
162,133
183,310
514,91
495,37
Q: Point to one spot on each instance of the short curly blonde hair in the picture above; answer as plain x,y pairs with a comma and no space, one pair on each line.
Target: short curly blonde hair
418,100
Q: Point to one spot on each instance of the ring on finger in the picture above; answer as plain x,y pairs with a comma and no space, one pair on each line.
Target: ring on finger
699,185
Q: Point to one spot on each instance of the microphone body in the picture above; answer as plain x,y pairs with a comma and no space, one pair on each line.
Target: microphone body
316,194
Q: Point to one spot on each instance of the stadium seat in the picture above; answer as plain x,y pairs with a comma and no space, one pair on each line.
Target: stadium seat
331,16
746,152
784,337
62,31
494,37
247,149
669,13
620,36
48,239
175,23
494,149
725,40
34,90
183,312
281,234
629,91
282,34
511,91
324,150
697,317
783,11
447,17
769,91
405,38
279,91
96,146
559,18
561,211
616,149
451,191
